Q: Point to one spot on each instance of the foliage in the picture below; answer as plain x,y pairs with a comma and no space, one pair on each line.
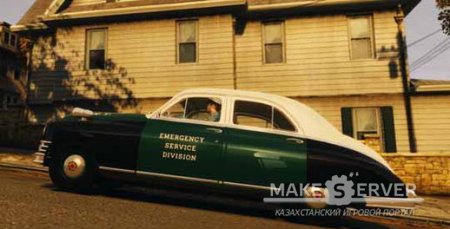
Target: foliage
444,15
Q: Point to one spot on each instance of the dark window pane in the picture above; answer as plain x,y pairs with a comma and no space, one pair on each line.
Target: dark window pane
281,122
252,114
188,53
274,53
97,59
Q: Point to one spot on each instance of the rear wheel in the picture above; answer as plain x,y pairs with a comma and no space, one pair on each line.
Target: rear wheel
73,170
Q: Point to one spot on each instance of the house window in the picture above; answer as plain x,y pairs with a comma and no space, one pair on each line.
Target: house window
361,37
187,40
96,49
366,123
273,37
374,126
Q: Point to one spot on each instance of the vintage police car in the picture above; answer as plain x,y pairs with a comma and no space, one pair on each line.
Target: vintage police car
234,139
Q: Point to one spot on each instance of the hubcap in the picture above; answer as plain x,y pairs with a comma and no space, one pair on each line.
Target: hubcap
74,166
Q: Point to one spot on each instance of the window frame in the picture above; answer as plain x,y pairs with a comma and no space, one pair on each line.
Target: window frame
178,42
87,49
283,41
371,36
260,129
379,120
174,101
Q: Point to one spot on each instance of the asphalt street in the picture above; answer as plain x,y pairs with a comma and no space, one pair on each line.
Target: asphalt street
29,200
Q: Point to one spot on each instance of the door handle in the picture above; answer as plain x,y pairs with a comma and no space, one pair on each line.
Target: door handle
296,140
215,130
266,155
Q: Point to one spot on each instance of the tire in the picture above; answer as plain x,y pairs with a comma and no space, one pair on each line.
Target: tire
73,170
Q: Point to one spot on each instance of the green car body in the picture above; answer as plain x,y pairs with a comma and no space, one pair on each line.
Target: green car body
260,140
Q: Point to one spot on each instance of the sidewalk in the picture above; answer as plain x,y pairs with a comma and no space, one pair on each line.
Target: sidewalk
434,208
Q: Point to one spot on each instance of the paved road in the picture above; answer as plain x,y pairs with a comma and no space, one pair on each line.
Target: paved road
28,200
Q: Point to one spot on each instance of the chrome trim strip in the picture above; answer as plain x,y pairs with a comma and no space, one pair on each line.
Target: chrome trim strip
247,185
177,177
116,169
390,202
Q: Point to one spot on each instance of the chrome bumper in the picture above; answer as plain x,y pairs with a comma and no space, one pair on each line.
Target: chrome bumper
392,202
42,150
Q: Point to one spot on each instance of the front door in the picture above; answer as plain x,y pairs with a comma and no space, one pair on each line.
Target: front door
186,141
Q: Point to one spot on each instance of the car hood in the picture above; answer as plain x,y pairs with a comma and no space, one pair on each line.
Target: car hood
114,117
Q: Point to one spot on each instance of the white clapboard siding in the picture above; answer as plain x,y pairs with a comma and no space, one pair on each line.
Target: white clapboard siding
318,59
330,108
432,123
144,54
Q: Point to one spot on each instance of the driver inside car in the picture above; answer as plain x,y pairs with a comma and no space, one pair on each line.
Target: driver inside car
213,109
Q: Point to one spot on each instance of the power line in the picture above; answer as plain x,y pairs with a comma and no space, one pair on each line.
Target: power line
435,48
431,57
423,38
431,54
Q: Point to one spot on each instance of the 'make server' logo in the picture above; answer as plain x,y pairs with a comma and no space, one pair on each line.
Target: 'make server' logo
338,191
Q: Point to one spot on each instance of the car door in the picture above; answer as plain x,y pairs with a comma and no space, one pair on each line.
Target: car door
183,142
262,147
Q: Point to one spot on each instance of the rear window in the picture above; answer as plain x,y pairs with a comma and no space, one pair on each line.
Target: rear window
260,115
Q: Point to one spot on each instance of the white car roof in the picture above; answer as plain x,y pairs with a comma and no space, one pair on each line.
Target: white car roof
311,122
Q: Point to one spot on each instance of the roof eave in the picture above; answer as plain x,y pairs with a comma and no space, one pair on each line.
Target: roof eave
313,5
143,10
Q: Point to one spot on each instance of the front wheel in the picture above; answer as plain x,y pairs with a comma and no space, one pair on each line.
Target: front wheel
73,170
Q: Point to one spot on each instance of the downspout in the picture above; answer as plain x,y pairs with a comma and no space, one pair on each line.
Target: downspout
399,19
234,24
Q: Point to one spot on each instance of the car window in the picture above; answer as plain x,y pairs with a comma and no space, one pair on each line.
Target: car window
196,108
260,115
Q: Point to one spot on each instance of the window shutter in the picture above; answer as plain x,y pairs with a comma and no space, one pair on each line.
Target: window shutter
388,130
347,121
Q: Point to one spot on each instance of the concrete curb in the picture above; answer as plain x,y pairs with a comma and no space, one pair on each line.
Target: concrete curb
23,167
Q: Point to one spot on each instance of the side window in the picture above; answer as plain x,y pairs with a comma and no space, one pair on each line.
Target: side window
196,108
281,121
366,123
96,49
260,115
187,41
273,36
361,38
373,126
